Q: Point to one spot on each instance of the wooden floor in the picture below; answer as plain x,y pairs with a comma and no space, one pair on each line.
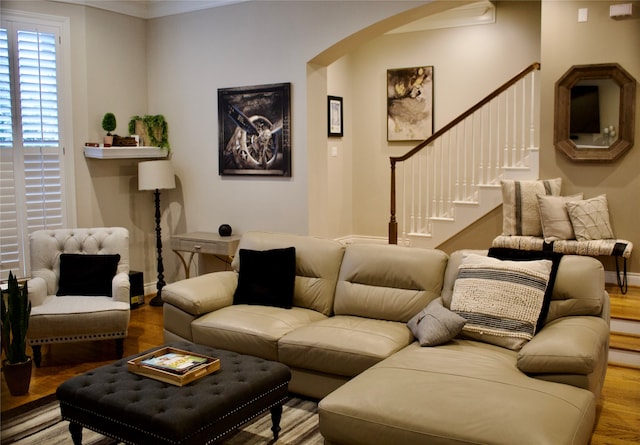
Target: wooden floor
618,409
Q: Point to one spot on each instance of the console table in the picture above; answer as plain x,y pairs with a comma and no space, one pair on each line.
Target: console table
223,247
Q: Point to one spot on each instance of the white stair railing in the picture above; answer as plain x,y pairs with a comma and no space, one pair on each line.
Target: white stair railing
473,151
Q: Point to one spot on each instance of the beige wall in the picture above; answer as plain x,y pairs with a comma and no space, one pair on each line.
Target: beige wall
469,62
566,42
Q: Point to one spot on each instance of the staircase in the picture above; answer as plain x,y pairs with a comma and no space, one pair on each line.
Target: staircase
452,179
624,343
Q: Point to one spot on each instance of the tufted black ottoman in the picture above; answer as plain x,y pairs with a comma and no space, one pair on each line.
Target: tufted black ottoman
139,410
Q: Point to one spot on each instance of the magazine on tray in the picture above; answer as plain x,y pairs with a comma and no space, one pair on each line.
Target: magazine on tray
175,362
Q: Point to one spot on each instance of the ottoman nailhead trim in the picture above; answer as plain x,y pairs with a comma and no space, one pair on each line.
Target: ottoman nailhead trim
110,434
245,404
74,338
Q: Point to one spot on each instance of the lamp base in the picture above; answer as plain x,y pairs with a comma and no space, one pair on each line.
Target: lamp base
156,301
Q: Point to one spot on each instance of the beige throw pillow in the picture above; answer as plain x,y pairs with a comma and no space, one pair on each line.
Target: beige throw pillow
554,217
520,214
590,218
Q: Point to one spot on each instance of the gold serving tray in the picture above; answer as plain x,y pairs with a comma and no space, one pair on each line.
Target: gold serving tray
135,366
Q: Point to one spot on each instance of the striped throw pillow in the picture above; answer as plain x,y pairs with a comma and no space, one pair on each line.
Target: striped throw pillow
501,300
520,213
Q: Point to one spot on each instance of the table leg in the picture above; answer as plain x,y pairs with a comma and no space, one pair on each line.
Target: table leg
76,433
276,415
185,263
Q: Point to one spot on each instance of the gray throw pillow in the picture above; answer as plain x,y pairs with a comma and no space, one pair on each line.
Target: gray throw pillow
435,324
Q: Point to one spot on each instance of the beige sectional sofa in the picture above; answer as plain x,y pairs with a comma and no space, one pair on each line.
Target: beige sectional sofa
347,343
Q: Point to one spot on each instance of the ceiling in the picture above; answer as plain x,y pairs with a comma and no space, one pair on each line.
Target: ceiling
151,9
477,13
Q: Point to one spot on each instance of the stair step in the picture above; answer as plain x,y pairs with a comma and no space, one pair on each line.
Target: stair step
625,307
625,342
618,357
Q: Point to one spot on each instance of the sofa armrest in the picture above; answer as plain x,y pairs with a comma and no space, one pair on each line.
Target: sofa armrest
120,287
202,294
568,345
37,288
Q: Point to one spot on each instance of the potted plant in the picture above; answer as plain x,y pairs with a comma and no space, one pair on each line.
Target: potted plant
15,321
108,125
152,129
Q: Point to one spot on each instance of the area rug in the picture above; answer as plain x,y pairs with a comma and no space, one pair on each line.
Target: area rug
42,424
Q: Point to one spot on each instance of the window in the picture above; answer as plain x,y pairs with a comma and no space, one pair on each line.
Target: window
31,150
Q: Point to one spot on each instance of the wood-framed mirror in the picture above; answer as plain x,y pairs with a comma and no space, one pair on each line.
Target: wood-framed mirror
595,107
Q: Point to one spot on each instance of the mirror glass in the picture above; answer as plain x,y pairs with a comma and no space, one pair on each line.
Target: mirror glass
595,112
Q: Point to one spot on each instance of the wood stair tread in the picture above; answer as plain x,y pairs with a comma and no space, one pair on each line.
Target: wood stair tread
625,307
626,342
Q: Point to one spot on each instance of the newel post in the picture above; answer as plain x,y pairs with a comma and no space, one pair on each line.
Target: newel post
393,224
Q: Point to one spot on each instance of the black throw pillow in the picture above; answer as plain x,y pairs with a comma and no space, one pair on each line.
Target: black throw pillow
505,253
266,277
87,274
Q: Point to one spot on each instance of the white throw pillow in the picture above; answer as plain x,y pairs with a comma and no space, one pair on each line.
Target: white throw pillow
554,217
590,218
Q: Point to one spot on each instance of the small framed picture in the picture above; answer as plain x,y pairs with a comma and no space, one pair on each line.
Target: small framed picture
334,118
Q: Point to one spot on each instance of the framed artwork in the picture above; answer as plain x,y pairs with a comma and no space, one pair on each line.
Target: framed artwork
410,103
334,117
254,126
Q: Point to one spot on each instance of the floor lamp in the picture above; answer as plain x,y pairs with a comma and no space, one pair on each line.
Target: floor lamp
157,175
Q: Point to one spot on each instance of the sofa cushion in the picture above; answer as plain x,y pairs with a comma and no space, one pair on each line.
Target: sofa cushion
590,218
251,329
266,277
435,324
76,318
554,217
520,214
501,300
317,265
87,274
464,392
388,282
342,345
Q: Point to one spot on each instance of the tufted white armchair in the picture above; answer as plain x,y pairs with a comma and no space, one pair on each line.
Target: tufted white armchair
76,317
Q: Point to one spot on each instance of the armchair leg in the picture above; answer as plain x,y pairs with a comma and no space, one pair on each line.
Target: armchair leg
120,347
37,354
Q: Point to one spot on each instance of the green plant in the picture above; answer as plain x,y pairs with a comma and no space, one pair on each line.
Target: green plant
156,127
109,123
15,321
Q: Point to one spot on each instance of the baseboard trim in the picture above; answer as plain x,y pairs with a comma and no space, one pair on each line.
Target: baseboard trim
633,279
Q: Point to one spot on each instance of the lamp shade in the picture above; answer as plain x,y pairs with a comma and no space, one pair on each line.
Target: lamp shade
154,175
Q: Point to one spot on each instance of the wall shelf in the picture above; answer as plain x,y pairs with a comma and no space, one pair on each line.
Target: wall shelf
125,152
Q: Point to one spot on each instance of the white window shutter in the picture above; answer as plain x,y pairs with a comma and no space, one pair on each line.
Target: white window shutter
31,192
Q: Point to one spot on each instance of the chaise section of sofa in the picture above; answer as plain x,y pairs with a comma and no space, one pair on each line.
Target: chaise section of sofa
464,392
468,391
